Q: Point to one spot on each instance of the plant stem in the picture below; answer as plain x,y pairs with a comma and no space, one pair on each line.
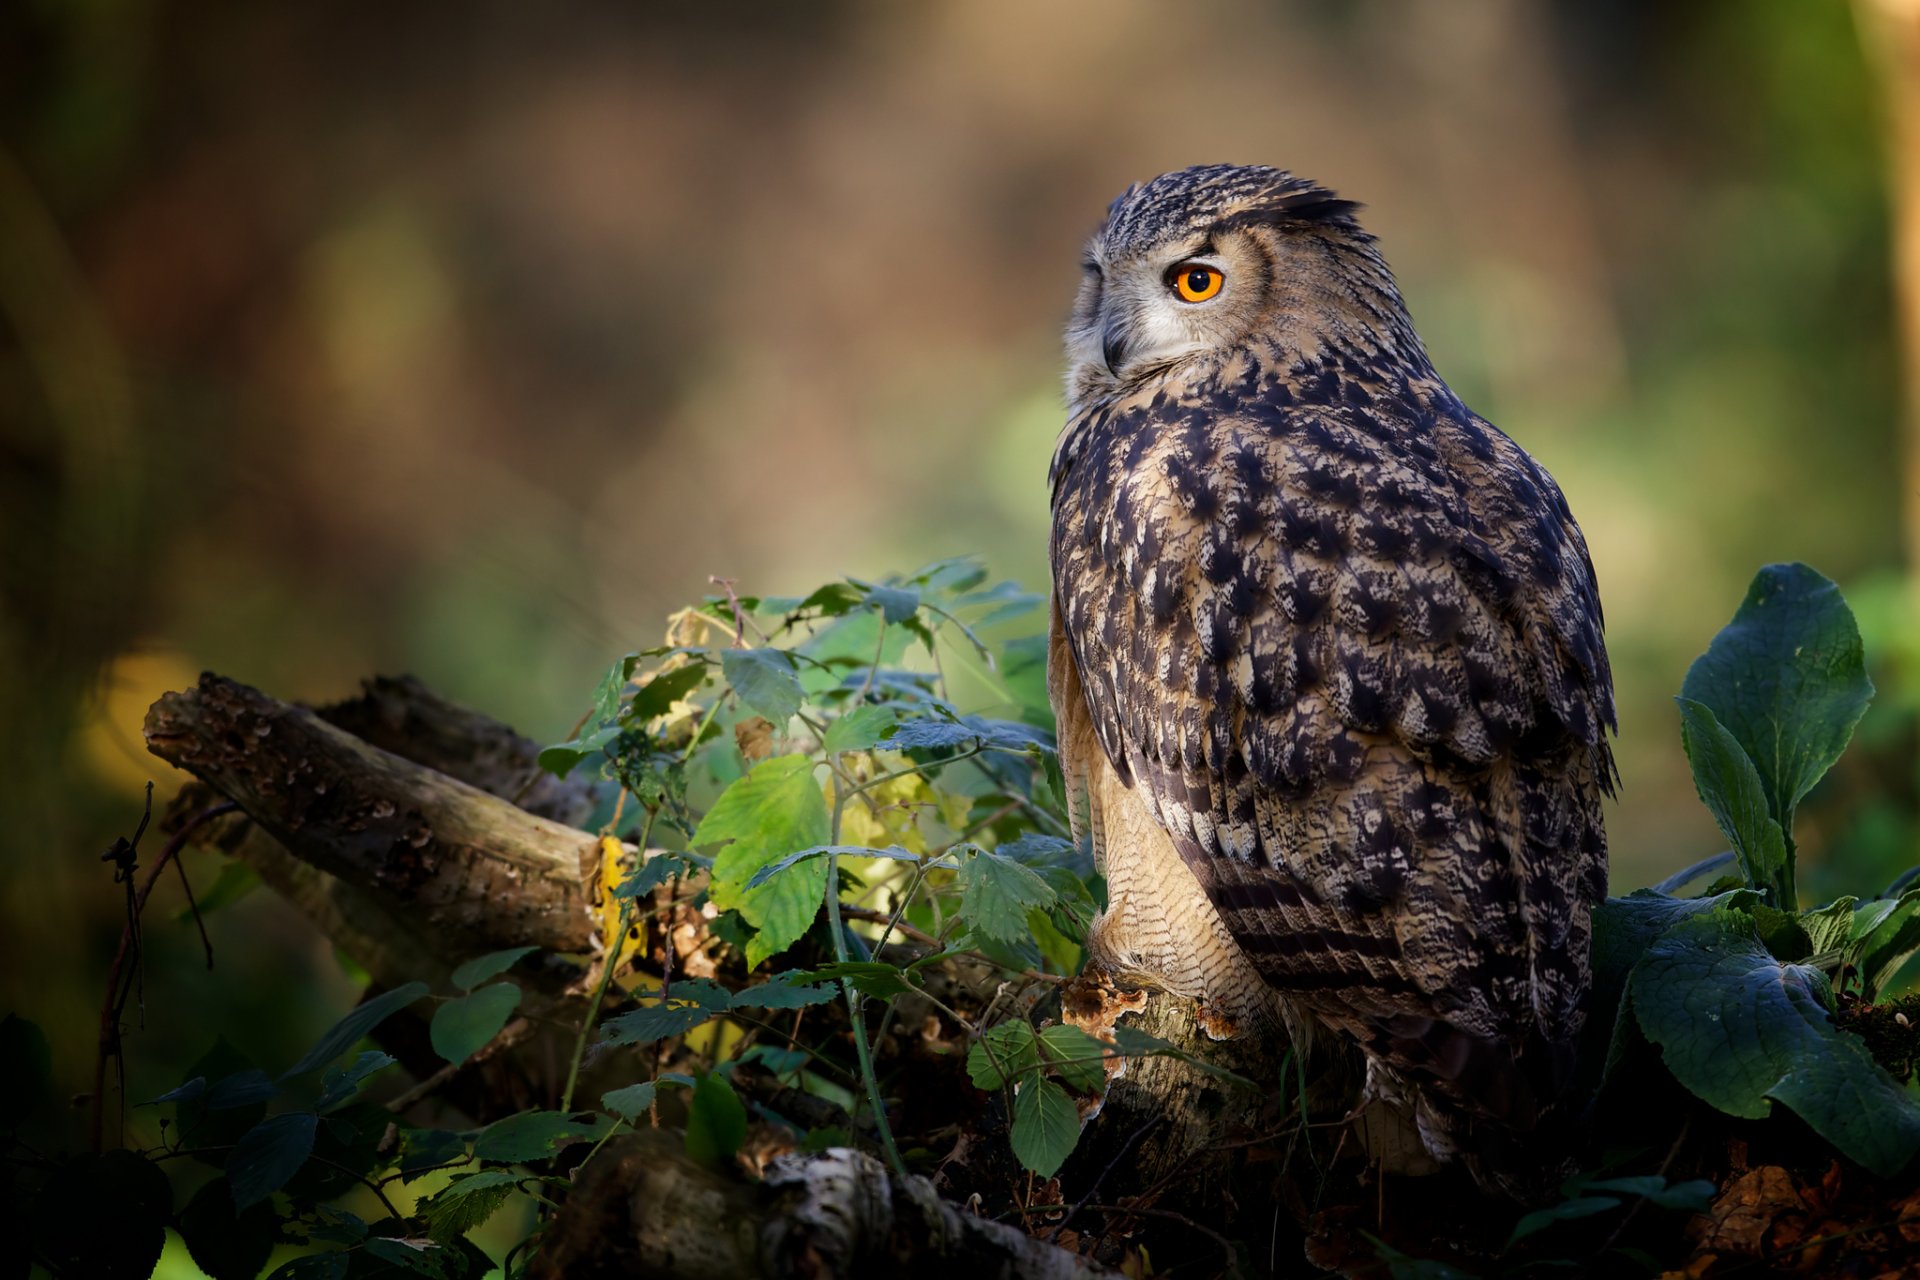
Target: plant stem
615,945
852,996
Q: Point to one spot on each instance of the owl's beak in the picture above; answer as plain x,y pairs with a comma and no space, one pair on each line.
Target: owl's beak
1113,346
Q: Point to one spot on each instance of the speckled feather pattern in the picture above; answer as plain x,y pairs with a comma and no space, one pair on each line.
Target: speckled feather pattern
1341,638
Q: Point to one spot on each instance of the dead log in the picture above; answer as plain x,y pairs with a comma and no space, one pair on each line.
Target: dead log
642,1208
468,870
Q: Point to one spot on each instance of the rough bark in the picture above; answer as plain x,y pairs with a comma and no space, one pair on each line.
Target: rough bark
644,1209
468,870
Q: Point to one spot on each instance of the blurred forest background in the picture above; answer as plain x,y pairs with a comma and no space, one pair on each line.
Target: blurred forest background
467,341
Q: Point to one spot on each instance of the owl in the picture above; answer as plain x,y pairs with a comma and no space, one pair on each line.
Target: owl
1327,660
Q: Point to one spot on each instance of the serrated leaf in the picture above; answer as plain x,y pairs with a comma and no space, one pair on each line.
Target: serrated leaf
1046,1126
535,1135
342,1035
765,681
782,993
1740,1029
1787,678
241,1089
716,1121
1733,792
461,1028
893,852
466,1203
773,811
268,1154
629,1102
859,729
1002,1054
492,965
896,604
690,1002
649,875
996,894
869,977
938,734
1076,1056
424,1149
656,697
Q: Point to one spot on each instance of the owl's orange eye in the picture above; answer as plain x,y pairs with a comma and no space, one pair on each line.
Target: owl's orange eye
1196,283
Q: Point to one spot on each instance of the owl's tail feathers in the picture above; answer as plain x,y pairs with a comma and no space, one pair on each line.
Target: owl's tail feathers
1502,1110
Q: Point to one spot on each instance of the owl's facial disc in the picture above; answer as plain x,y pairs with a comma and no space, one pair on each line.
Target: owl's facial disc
1142,309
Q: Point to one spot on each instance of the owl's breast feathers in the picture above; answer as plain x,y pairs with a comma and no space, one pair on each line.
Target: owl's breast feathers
1344,638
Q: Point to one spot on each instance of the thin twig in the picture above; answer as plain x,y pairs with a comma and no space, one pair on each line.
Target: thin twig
115,1003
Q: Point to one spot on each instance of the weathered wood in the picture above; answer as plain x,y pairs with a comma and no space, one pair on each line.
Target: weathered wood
468,870
642,1208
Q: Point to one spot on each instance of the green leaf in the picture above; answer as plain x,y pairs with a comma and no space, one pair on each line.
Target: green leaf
690,1002
869,977
1046,1125
563,758
1787,678
492,965
773,811
26,1070
783,993
996,894
342,1035
1829,928
894,852
1077,1056
765,681
1731,788
1693,1196
467,1202
1565,1211
657,696
661,867
859,729
461,1028
1003,1053
339,1084
896,604
225,1244
1887,935
629,1102
241,1089
716,1121
1739,1029
268,1154
424,1149
314,1266
535,1135
418,1257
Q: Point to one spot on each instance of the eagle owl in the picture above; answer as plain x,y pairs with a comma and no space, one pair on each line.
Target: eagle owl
1327,660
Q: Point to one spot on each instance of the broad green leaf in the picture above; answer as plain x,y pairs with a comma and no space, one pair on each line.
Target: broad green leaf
661,867
535,1135
859,729
607,694
996,894
26,1069
334,1225
937,734
1623,929
563,757
1565,1211
268,1154
1077,1056
424,1149
1887,935
227,1245
1046,1125
342,1035
716,1121
629,1102
1002,1053
341,1083
1829,928
467,1202
1740,1029
461,1028
1788,679
417,1257
765,681
241,1089
869,977
896,604
773,811
782,993
1693,1196
492,965
690,1002
1731,788
656,697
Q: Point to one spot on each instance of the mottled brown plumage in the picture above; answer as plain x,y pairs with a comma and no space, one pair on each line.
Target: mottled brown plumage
1327,660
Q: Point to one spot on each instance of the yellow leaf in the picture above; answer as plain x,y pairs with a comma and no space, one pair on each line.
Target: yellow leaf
614,861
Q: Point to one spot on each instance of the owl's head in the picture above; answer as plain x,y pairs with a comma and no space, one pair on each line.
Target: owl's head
1198,265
